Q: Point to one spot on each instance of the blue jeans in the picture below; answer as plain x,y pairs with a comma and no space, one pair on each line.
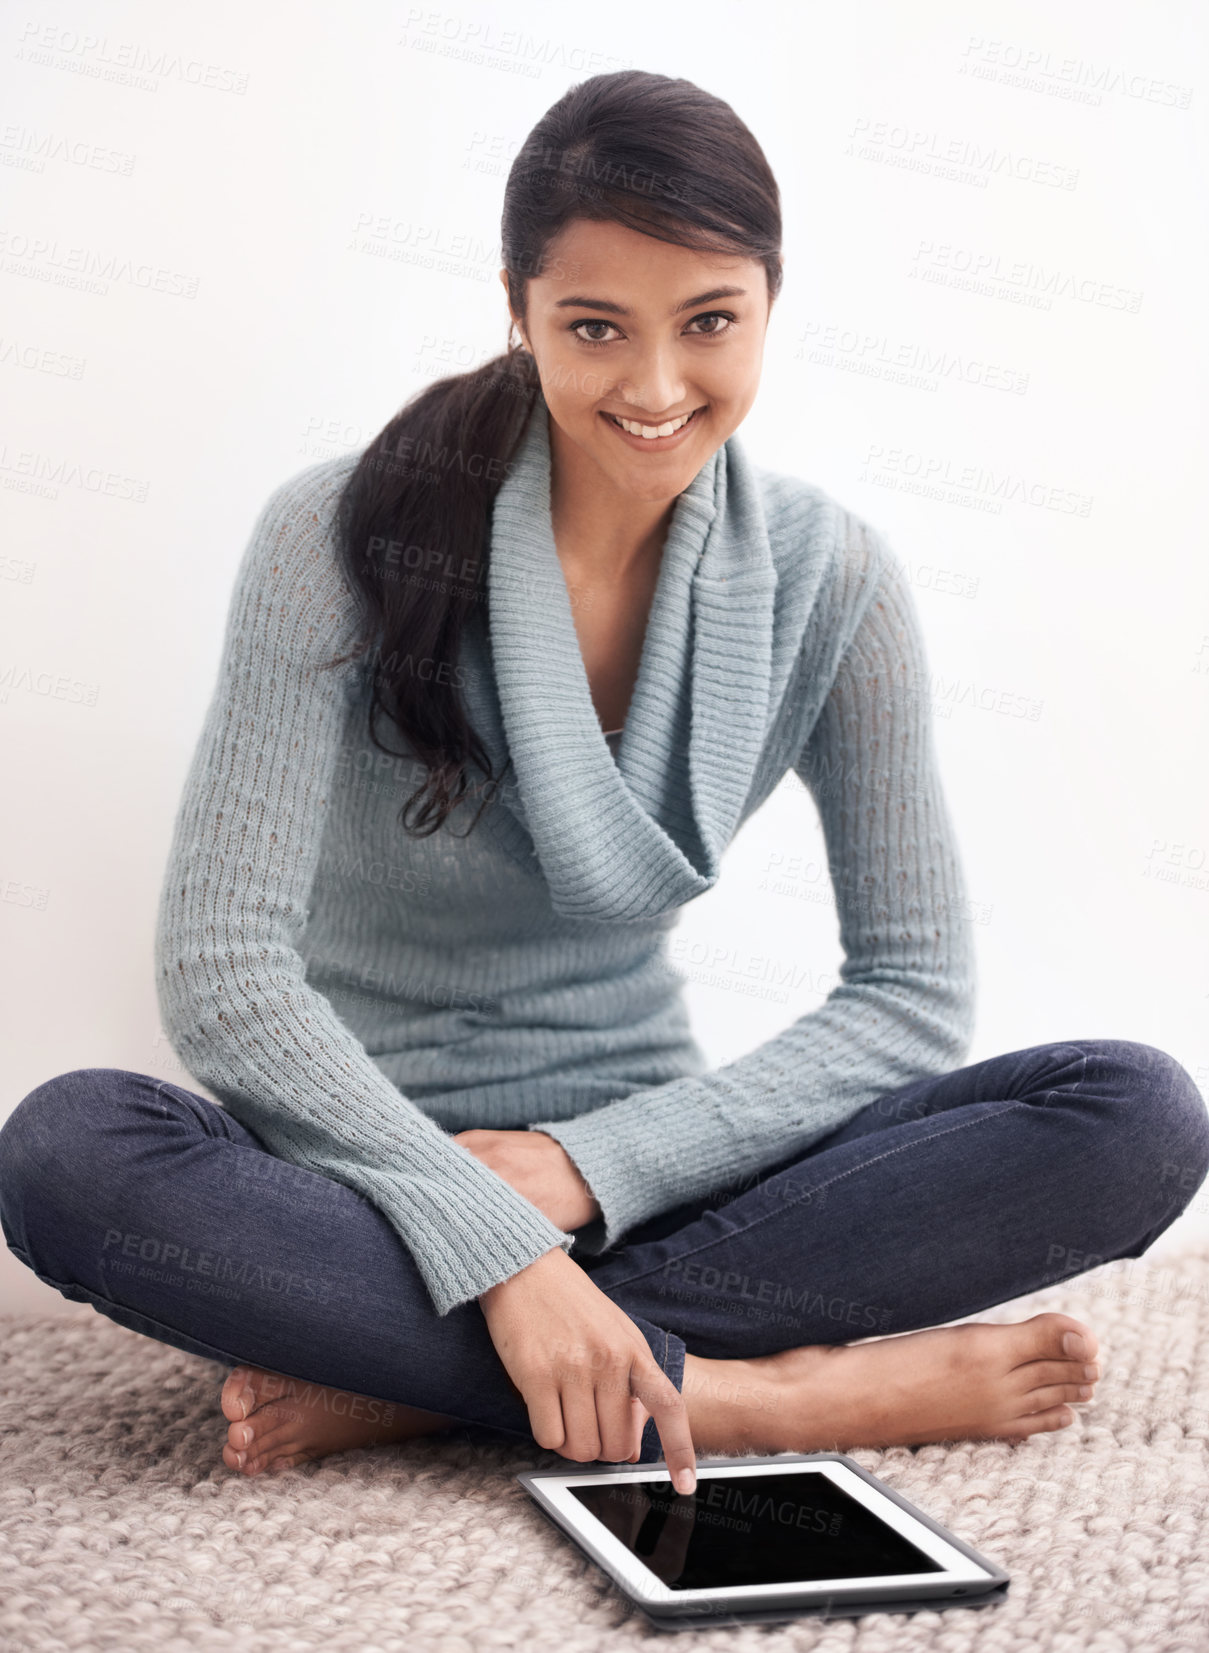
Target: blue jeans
939,1199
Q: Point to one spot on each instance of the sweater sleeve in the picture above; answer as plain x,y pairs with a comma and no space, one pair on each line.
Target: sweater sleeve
231,984
904,1005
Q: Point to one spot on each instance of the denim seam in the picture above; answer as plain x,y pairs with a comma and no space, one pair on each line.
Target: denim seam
181,1094
1082,1068
789,1205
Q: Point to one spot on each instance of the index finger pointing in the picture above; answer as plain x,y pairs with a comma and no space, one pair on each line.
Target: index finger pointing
669,1409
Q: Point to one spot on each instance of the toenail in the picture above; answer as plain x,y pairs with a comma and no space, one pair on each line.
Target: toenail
1074,1345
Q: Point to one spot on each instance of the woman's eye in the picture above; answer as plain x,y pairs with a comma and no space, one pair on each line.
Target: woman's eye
575,325
717,315
709,315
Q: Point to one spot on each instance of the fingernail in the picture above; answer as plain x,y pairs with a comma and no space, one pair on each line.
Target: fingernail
1074,1345
686,1481
239,1458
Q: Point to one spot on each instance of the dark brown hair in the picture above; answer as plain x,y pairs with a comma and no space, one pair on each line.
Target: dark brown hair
658,155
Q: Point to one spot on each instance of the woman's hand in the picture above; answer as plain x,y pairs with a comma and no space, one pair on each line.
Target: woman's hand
583,1368
539,1168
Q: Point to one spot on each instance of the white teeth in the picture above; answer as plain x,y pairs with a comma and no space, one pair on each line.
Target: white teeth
650,432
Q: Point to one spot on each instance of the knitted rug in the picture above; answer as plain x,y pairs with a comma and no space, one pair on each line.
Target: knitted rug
120,1527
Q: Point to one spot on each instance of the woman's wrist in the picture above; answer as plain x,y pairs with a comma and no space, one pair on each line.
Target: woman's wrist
538,1167
494,1293
585,1205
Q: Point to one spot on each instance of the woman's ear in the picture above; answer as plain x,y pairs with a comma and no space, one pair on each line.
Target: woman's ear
513,322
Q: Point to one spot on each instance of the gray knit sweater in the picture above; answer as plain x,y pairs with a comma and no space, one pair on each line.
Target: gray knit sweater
355,996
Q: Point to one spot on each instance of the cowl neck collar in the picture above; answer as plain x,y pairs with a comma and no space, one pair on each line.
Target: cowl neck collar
636,835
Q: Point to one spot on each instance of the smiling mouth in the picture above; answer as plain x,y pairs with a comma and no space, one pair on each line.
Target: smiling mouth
659,433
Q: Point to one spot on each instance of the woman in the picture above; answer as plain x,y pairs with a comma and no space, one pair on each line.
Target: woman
470,1165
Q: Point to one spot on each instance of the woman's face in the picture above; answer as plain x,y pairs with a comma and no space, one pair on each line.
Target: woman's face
623,325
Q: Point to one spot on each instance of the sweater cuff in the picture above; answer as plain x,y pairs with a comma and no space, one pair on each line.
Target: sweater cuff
633,1173
477,1230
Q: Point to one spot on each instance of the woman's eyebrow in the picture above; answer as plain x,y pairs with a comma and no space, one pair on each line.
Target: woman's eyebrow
621,310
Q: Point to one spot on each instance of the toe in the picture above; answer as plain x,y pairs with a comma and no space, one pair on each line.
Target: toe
1055,1395
269,1386
262,1457
247,1388
1048,1335
1052,1419
256,1414
1039,1422
235,1457
264,1426
1084,1345
238,1398
289,1460
270,1442
1037,1374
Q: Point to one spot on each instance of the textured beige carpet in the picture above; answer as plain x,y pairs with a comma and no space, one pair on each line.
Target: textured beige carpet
121,1528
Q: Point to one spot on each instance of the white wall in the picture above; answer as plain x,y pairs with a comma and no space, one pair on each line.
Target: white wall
232,165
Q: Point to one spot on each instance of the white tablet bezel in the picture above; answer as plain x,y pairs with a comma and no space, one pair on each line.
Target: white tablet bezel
960,1572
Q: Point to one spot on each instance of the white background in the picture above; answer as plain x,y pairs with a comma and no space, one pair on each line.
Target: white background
1083,828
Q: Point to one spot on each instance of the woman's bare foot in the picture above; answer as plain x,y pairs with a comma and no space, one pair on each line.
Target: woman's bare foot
276,1421
975,1381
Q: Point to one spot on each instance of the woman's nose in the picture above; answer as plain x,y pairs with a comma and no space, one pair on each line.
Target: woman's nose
657,386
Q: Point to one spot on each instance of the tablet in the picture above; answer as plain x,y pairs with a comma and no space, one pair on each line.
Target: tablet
762,1537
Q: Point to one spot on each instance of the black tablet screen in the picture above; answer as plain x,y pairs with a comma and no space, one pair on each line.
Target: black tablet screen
751,1529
